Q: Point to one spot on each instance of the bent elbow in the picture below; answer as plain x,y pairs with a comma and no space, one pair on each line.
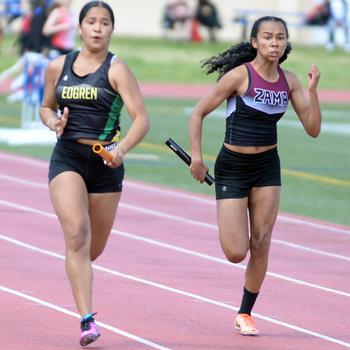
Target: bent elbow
314,133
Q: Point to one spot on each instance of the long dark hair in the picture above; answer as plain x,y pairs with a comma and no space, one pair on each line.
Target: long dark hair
92,4
242,52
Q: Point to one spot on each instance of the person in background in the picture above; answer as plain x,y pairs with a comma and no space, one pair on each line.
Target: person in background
206,15
247,169
319,14
84,94
10,11
36,41
176,19
13,10
339,17
60,26
33,48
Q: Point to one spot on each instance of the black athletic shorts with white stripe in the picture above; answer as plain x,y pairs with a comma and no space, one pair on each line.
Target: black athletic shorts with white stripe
237,173
72,156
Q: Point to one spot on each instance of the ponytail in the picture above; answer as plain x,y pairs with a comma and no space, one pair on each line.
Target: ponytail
229,59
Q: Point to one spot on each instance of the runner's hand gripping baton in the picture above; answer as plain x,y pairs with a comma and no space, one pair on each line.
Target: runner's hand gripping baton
186,158
102,152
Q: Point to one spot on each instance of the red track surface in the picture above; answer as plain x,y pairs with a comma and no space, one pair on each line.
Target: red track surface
163,281
196,91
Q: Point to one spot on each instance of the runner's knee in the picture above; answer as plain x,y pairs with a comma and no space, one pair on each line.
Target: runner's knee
260,244
235,256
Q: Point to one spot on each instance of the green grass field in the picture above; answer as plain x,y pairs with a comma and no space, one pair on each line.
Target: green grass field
316,172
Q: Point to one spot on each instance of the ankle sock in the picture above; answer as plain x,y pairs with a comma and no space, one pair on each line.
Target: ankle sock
248,301
87,317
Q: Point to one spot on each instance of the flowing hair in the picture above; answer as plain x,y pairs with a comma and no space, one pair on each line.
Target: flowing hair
242,52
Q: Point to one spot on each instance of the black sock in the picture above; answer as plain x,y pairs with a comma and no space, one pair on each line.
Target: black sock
248,302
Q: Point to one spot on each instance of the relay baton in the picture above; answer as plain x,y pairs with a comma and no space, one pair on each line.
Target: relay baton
186,158
102,152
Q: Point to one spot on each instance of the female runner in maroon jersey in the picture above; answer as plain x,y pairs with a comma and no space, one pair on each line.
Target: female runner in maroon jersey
247,169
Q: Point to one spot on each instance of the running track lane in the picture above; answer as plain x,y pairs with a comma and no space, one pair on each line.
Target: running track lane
197,91
193,296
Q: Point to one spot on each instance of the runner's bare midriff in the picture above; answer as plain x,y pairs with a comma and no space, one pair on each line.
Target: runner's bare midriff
249,149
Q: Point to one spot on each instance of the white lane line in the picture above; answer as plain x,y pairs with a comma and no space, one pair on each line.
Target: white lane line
187,196
191,252
311,250
190,221
225,262
212,226
167,216
212,202
23,181
70,313
28,209
15,158
180,292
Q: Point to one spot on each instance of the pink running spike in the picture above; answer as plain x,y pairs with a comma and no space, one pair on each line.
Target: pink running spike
89,332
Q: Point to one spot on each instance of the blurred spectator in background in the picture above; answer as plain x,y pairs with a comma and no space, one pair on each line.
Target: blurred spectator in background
35,40
206,15
33,48
176,19
12,10
60,26
339,17
319,14
24,30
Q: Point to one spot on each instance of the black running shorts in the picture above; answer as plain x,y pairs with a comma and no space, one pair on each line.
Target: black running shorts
237,173
72,156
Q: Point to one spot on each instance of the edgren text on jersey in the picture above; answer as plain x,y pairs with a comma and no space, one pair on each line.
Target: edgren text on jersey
94,106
